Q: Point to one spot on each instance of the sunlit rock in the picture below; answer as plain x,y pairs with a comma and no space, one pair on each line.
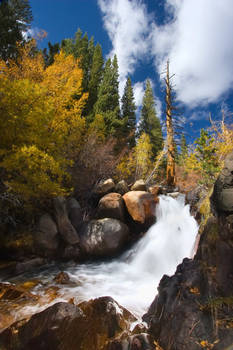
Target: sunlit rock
140,205
111,206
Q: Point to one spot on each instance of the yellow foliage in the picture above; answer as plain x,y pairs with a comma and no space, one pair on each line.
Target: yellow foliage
34,173
42,127
28,65
97,128
138,162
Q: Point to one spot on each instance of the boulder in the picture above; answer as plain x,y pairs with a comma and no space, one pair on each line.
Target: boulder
222,197
65,326
139,185
122,187
75,213
62,278
46,238
103,237
29,265
140,205
65,228
134,342
104,187
111,206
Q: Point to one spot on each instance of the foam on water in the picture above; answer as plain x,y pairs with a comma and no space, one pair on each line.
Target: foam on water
132,280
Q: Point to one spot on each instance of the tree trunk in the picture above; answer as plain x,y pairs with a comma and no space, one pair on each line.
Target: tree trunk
170,133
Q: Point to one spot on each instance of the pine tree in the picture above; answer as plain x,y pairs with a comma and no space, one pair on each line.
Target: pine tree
96,73
128,113
15,18
83,49
149,122
183,149
49,56
108,97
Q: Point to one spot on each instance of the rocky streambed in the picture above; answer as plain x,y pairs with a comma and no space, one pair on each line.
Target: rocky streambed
192,310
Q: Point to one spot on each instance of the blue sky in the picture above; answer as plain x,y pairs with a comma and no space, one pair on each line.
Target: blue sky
194,34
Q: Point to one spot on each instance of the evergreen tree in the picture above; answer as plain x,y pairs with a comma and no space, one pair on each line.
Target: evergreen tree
205,154
183,149
49,56
128,113
108,97
149,122
96,73
15,18
83,49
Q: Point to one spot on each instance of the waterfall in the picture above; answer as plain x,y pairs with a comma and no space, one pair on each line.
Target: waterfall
132,280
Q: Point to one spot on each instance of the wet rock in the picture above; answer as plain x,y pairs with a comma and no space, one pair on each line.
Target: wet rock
133,342
74,213
122,187
62,278
29,265
106,318
65,228
111,206
140,205
173,194
139,185
104,187
65,326
104,237
11,292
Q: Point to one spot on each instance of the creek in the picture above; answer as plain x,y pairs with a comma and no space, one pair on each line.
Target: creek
132,279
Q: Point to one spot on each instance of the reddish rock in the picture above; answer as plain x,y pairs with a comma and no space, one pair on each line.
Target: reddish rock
111,206
140,205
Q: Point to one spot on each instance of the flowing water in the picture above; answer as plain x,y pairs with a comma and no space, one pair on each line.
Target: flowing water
133,278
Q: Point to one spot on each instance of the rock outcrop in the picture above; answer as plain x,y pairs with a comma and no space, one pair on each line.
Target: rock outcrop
65,228
63,326
47,239
194,308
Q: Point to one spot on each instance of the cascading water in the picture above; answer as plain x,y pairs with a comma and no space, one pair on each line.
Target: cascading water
132,280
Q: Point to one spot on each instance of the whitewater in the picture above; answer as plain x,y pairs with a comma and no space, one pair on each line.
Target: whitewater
132,279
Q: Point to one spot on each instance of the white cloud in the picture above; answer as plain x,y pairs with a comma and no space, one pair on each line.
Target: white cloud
139,89
198,43
127,25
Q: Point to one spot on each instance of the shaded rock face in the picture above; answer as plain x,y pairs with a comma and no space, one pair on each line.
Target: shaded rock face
111,206
65,228
47,239
140,206
194,308
122,187
104,187
65,326
104,237
74,213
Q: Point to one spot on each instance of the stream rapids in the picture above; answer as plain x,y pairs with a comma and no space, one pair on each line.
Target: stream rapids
133,278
